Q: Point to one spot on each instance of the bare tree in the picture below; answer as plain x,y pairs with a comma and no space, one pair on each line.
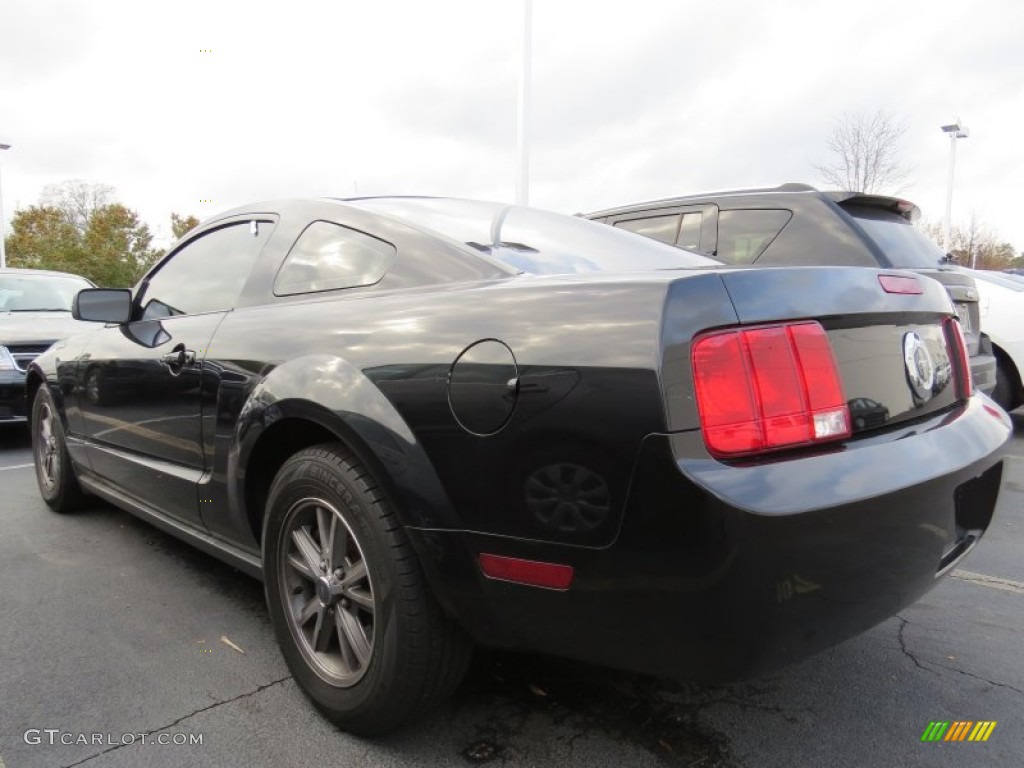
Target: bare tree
973,244
77,199
867,154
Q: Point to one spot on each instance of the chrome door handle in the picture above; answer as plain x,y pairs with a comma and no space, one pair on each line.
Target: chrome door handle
178,358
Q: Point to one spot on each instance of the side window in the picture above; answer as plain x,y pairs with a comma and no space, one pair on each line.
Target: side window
743,235
689,232
661,228
206,274
329,256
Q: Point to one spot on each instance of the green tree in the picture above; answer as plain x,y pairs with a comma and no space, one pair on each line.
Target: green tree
180,225
42,238
112,250
117,246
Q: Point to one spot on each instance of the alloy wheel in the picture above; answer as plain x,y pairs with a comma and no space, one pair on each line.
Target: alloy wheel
327,592
47,449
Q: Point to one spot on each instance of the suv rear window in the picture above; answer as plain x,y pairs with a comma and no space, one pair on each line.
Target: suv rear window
903,244
744,234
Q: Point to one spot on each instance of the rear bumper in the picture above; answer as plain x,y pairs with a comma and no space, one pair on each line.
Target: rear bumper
12,397
721,572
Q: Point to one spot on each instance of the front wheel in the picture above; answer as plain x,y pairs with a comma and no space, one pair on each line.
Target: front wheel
356,624
55,476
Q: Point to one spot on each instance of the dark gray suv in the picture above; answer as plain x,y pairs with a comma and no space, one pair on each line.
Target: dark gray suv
798,225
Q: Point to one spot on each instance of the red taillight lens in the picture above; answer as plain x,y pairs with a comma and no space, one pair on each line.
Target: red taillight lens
762,389
958,346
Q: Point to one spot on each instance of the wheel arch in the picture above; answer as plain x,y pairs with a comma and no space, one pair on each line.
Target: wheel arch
1003,358
33,380
314,400
36,378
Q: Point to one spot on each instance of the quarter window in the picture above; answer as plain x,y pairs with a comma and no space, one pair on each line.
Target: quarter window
207,274
661,228
743,235
329,256
689,232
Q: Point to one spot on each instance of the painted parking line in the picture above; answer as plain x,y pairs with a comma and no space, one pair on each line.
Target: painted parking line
16,466
1007,585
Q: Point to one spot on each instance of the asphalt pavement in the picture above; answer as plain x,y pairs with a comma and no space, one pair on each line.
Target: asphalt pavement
120,646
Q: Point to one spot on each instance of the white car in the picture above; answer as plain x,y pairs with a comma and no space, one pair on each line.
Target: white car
1001,308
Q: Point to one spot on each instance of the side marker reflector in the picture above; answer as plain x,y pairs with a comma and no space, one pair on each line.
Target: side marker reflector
530,572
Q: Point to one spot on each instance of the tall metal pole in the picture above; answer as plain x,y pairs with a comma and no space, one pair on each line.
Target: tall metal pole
948,223
955,131
523,131
3,234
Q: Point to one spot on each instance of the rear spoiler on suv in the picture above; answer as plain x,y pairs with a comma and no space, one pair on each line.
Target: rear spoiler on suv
904,208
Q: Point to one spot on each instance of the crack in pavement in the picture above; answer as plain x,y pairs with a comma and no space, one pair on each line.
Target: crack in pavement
903,644
183,718
920,665
982,679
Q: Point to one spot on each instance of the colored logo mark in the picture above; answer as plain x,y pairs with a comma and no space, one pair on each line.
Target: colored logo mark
958,730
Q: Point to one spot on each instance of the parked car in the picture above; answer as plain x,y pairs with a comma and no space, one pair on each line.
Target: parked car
35,311
427,422
798,225
1002,314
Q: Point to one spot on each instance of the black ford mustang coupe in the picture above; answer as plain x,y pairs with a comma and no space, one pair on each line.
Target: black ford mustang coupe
427,422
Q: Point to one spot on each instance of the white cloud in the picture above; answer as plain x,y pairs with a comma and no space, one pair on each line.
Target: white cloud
631,100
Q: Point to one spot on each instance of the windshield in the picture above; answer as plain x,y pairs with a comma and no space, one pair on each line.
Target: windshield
39,293
902,243
535,241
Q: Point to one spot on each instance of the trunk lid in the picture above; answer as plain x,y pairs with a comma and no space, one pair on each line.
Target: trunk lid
896,353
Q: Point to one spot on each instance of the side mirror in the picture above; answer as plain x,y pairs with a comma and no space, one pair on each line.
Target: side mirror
103,305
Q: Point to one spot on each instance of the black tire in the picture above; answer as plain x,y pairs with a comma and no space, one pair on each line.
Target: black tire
55,474
1007,390
389,652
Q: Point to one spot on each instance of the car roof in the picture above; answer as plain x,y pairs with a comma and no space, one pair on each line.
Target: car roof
22,272
904,208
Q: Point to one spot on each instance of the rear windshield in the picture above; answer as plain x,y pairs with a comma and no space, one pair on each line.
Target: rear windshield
903,244
534,241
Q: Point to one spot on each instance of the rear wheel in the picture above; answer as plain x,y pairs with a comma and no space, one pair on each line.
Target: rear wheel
54,473
356,623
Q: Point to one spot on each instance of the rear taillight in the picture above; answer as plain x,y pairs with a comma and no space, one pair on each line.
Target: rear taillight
762,389
958,349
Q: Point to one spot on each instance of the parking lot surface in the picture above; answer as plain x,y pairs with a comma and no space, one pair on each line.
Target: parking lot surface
117,643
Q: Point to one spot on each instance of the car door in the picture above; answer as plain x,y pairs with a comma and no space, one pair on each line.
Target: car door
140,385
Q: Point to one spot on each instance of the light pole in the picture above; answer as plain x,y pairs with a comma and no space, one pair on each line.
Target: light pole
955,131
3,236
523,127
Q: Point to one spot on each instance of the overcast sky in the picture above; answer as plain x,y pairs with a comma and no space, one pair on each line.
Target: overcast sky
631,100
